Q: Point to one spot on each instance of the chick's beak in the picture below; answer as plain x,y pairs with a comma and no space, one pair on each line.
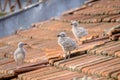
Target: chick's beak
71,24
28,45
25,44
58,35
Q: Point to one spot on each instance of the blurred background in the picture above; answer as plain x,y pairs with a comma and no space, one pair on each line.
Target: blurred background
16,14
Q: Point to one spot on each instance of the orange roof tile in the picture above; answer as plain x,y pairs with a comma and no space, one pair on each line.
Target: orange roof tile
97,17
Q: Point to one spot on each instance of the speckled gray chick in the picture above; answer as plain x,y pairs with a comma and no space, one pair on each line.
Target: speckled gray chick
66,43
78,31
19,54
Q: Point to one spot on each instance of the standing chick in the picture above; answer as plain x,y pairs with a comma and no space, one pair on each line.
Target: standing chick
66,43
78,31
19,54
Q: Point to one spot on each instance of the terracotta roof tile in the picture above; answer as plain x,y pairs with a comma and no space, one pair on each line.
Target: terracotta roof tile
95,12
5,61
91,64
117,53
13,40
108,49
97,17
7,50
49,73
4,76
6,68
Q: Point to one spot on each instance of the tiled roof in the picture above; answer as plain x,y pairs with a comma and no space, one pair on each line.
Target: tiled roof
92,65
98,56
52,73
47,73
111,49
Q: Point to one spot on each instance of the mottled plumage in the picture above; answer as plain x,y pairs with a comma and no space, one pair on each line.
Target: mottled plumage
78,31
19,54
66,43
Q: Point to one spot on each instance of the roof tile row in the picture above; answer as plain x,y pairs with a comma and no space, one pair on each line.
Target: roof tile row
108,49
92,65
42,42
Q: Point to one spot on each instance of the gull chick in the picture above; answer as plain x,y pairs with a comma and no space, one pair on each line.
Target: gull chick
78,31
66,43
19,54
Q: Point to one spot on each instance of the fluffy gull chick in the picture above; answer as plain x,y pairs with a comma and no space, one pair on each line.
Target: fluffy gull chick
78,31
66,43
19,54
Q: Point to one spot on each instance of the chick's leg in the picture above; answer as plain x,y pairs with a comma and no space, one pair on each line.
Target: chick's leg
65,56
17,63
69,54
78,41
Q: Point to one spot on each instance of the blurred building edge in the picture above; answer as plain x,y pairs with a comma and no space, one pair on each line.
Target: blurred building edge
12,5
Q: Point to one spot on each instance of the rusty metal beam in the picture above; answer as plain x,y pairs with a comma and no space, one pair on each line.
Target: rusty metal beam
10,6
6,1
19,4
28,2
13,6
